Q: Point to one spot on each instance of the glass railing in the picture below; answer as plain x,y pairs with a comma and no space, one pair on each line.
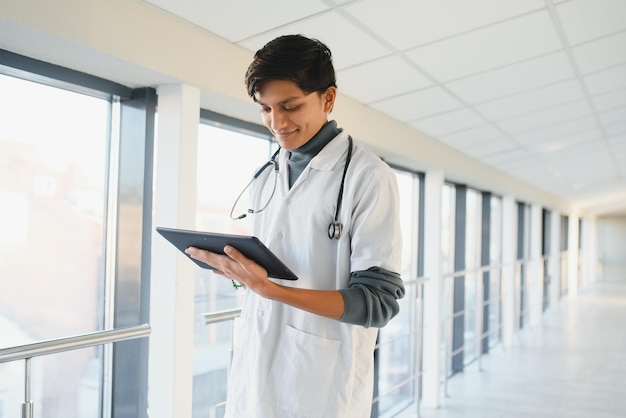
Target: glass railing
529,275
475,336
27,352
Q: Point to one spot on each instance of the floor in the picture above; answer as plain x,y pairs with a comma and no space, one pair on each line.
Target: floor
572,365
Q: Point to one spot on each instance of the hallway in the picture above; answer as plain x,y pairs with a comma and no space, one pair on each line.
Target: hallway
573,365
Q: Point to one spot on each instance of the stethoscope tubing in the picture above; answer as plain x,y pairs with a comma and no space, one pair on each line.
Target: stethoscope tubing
335,228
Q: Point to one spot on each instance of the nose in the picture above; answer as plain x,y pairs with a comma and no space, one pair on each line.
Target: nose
278,119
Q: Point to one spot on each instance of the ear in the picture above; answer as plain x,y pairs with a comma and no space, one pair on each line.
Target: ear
328,98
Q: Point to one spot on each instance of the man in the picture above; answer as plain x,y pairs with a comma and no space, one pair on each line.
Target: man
305,348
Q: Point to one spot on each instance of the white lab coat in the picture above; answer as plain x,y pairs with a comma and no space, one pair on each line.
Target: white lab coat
291,363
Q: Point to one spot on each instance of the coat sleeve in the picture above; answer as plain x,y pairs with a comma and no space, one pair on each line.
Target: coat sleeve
371,299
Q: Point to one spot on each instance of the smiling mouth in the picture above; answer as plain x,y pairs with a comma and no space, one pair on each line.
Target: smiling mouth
284,134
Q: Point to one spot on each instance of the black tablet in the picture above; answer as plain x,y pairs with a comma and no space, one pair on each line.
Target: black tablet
249,246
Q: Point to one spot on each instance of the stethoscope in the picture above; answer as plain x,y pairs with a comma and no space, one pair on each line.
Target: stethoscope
334,229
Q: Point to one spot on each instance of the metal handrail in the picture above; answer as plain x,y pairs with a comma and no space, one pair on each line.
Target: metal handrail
471,274
470,271
221,316
58,345
42,348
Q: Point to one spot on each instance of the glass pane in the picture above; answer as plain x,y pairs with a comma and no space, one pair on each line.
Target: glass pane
220,157
396,390
472,261
448,207
448,197
53,147
495,251
407,187
397,339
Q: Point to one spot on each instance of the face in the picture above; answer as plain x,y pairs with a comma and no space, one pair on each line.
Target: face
293,116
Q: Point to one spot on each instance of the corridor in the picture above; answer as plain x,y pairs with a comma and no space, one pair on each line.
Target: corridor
572,365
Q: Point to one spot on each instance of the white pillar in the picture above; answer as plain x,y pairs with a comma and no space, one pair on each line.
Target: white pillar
170,376
555,259
535,273
433,290
509,247
572,251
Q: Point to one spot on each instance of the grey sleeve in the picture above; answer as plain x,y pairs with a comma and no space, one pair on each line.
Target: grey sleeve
371,299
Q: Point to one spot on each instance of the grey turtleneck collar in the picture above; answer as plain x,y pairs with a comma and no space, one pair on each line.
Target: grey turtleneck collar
299,158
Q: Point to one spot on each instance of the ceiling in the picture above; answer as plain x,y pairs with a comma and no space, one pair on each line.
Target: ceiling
534,88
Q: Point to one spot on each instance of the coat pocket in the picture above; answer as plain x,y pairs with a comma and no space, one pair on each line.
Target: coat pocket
301,374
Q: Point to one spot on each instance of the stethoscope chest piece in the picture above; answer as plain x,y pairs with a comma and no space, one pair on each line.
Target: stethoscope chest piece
334,230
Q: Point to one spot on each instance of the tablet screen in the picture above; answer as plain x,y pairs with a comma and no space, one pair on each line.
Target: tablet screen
249,246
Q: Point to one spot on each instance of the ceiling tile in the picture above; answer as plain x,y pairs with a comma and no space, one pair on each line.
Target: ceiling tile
218,16
471,137
502,159
399,77
579,152
558,144
593,172
419,104
530,162
495,147
448,123
613,187
602,53
613,116
559,130
546,117
349,44
409,23
610,100
584,20
618,142
539,175
607,80
534,100
537,72
615,129
494,46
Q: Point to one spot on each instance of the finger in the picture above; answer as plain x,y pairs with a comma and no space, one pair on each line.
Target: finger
238,257
234,253
246,264
194,252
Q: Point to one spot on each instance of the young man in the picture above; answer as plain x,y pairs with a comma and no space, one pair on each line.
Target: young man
305,348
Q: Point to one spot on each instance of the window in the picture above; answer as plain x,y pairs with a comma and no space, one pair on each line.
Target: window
74,186
397,346
448,208
495,276
448,223
53,168
473,226
227,158
564,238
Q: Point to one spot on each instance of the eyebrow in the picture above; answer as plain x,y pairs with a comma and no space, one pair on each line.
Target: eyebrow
282,102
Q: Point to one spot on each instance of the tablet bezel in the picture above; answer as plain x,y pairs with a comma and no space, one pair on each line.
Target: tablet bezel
249,246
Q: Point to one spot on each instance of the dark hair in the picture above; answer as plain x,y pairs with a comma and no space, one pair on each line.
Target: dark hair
307,62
